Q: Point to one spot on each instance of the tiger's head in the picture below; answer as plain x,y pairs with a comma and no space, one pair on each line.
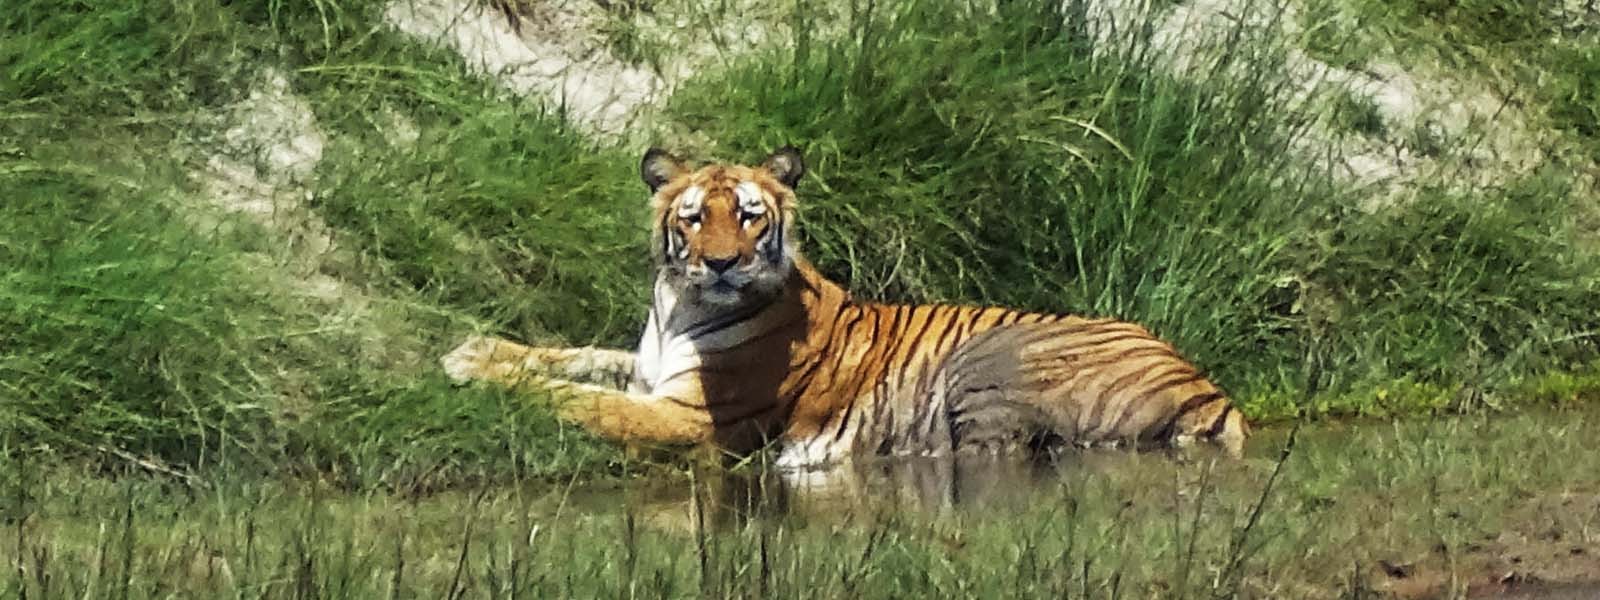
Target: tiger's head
723,234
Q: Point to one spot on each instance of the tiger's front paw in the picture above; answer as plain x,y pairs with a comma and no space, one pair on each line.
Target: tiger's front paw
473,359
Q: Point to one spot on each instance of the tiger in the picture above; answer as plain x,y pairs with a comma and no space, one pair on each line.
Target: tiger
747,344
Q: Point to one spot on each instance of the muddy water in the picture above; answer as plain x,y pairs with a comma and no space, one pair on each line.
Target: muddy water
979,483
929,486
987,483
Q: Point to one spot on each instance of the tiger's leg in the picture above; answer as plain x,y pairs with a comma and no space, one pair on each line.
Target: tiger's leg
632,417
483,357
677,417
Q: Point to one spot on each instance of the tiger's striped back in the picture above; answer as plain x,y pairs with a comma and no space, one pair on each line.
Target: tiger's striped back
932,379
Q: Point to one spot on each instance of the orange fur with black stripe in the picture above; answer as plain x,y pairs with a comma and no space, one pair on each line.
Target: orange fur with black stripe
747,344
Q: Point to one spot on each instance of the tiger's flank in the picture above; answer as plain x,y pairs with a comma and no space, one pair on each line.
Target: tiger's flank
748,344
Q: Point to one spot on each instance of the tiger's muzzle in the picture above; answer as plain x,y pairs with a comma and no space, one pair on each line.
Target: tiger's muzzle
722,280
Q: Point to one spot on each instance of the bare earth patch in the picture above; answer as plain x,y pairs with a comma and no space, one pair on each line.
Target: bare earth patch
1472,137
1548,548
267,153
561,51
552,54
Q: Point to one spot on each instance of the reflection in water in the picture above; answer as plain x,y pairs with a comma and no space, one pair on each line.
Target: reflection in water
927,484
862,489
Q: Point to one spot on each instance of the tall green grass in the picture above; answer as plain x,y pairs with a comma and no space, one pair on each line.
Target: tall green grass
118,333
128,335
497,209
140,327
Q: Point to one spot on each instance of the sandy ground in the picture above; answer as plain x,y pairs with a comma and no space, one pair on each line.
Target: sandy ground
552,53
268,152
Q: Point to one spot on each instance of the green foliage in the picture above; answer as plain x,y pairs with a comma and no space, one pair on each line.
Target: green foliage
113,333
424,436
1333,35
1002,161
139,324
1574,95
127,332
1357,114
1576,387
1456,287
496,208
118,59
1480,22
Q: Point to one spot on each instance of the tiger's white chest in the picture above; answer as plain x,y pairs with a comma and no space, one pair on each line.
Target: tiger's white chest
662,356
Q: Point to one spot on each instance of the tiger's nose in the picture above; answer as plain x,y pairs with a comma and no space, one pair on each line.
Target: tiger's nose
720,265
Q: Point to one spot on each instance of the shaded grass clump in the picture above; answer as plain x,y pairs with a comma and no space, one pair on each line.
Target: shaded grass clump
1006,161
1574,98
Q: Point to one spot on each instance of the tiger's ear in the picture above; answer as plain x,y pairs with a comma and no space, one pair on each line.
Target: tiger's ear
658,167
786,165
